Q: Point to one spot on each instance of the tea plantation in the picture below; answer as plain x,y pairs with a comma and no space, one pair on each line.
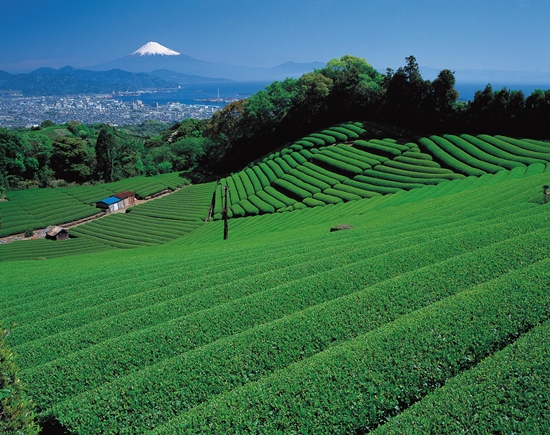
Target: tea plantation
428,314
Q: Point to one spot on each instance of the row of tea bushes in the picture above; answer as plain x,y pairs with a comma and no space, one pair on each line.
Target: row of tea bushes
138,333
473,155
44,249
361,383
185,323
327,168
500,395
38,208
241,358
155,222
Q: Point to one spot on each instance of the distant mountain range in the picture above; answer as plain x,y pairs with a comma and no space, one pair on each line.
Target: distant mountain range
71,81
153,56
154,66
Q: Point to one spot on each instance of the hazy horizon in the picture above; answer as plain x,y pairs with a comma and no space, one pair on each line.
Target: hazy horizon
509,35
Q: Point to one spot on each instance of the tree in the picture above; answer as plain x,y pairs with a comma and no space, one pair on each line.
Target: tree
482,105
189,127
312,91
224,130
105,151
187,152
537,112
71,160
128,157
267,108
516,104
444,95
12,160
407,94
47,123
357,86
38,150
159,160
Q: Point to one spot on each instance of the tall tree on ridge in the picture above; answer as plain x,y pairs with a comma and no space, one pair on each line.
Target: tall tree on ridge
444,95
105,150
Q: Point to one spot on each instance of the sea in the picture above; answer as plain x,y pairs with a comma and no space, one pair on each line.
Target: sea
210,94
467,91
222,93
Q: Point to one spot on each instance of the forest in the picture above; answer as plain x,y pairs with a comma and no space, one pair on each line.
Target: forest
345,89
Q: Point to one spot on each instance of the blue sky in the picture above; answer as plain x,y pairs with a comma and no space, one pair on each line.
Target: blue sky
456,34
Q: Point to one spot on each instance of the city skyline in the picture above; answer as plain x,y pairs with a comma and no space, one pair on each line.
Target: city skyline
509,35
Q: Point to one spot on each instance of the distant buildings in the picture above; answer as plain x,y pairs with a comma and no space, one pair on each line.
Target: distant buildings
17,111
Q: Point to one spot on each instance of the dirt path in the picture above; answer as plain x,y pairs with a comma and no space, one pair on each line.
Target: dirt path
41,233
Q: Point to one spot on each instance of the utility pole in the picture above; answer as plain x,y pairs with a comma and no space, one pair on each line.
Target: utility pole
212,203
224,213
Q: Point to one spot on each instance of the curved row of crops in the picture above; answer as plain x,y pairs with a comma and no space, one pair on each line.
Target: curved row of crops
339,164
349,162
286,327
38,208
485,154
155,222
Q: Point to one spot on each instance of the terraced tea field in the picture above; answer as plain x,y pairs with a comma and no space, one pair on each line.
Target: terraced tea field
350,162
38,208
429,315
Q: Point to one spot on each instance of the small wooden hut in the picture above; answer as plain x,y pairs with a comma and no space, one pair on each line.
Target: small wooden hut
128,198
57,233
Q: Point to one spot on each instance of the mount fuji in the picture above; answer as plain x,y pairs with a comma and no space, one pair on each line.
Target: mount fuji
153,57
154,48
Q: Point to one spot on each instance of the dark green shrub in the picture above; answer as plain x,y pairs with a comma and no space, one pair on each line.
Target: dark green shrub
324,137
291,190
335,134
338,166
328,199
289,202
16,409
305,143
261,205
275,168
363,193
262,178
268,172
278,205
313,139
346,196
312,202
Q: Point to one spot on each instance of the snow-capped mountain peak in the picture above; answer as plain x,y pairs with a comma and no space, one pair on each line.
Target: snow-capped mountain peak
154,48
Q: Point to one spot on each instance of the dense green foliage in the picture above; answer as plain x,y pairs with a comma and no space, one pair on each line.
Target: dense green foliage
17,414
349,88
75,154
288,328
485,399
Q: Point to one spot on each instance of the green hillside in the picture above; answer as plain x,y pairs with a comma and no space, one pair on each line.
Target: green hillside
429,314
358,160
31,209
